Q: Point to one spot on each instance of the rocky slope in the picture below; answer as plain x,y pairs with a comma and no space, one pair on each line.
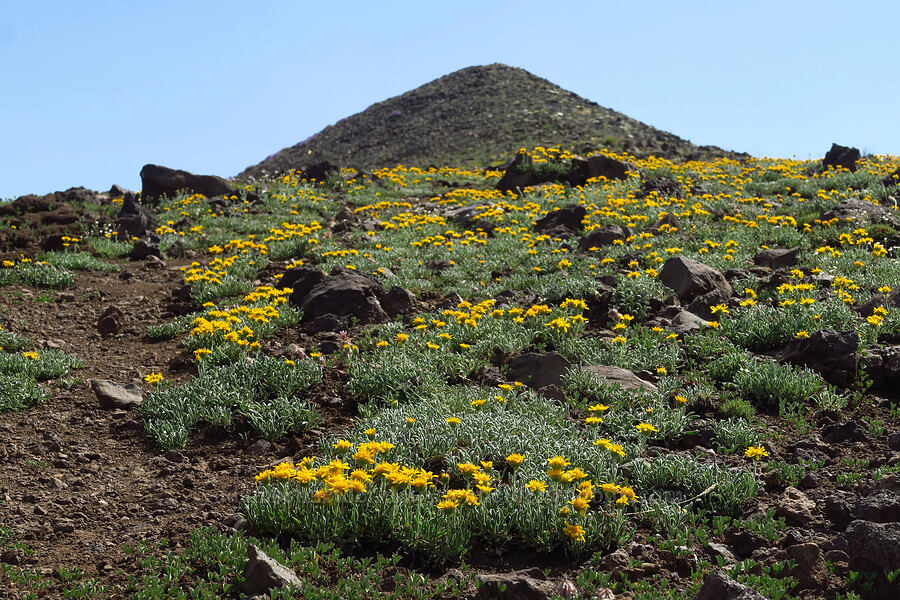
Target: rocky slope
475,116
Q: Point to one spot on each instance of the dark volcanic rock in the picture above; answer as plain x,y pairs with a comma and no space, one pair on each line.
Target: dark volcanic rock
319,171
795,507
563,222
841,156
111,321
873,546
837,433
301,280
144,249
719,586
539,370
881,506
263,573
690,279
810,570
597,166
839,506
831,353
518,585
603,236
777,258
345,293
518,175
157,181
133,219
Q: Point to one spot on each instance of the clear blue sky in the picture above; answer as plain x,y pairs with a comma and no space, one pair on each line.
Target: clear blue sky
93,90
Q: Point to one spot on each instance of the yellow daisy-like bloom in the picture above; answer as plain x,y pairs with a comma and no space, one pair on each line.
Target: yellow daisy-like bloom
536,486
342,446
645,428
558,462
34,356
576,532
593,420
580,504
801,334
152,378
447,505
514,460
468,468
452,420
755,452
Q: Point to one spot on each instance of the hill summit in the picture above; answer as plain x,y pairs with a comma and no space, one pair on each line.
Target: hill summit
476,116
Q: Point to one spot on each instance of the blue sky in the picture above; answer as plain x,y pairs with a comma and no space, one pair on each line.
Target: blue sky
93,90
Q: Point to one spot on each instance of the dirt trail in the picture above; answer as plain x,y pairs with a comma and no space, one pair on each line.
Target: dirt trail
77,482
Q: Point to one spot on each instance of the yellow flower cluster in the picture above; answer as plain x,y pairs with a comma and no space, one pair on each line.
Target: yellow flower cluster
213,273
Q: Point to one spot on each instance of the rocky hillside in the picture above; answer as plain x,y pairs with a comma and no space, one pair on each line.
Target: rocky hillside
475,116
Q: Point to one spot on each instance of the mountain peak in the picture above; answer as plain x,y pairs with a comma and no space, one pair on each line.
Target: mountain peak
475,116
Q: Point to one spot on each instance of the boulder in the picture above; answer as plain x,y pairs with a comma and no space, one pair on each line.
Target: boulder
263,573
689,278
603,236
719,586
111,321
527,584
702,305
539,370
345,292
27,204
848,431
777,258
112,395
831,353
77,195
667,219
519,175
157,181
839,507
133,219
143,249
872,546
624,378
685,322
301,280
892,179
319,171
399,301
841,156
562,223
862,212
881,506
597,166
795,507
810,570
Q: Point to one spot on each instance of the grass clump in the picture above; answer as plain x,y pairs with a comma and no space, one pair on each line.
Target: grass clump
39,365
18,391
79,261
264,390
